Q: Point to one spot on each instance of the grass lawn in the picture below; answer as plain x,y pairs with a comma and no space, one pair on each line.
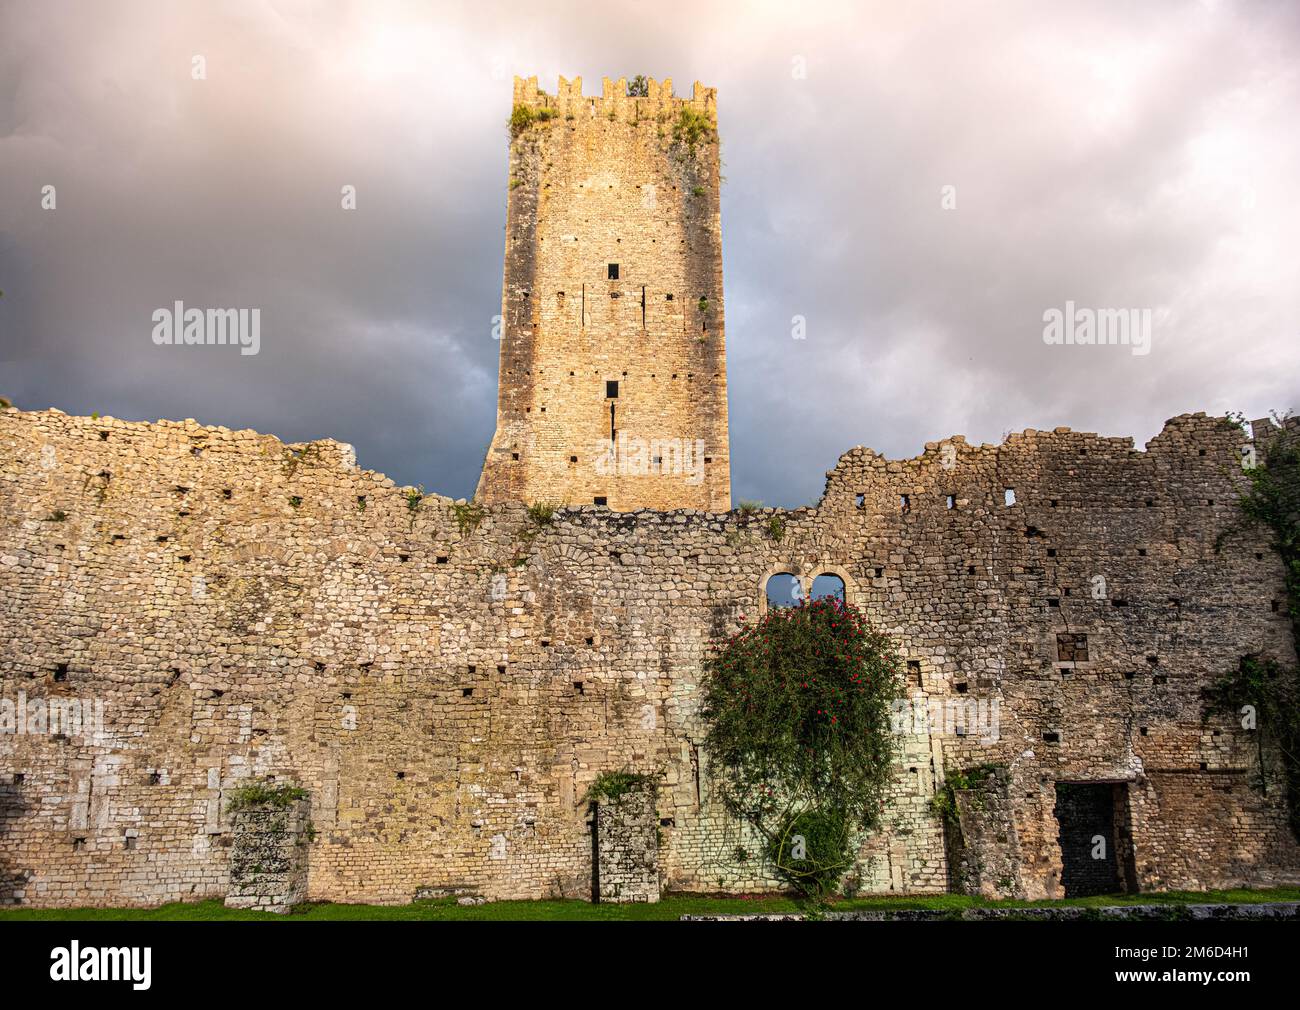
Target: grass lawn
671,907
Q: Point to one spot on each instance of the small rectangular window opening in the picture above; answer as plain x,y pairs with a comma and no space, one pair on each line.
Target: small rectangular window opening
611,389
1009,496
613,271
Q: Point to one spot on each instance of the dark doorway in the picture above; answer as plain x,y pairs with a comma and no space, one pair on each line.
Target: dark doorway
1096,844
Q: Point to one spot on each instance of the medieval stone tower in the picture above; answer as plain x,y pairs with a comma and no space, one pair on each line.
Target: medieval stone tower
612,387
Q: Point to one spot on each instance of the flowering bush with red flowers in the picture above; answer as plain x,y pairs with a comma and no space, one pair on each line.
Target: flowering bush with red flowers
798,710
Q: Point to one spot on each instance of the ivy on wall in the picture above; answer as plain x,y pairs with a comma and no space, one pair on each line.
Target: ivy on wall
1263,692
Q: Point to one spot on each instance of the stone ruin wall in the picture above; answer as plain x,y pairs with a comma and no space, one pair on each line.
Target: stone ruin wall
447,692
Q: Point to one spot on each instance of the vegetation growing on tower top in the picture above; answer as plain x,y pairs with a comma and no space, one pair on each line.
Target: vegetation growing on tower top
524,116
692,127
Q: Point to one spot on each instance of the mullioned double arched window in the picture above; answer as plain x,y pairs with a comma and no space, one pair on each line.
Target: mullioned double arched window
788,586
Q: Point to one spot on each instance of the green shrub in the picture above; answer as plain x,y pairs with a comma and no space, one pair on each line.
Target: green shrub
542,515
812,850
798,714
263,794
611,786
468,516
521,118
692,127
943,804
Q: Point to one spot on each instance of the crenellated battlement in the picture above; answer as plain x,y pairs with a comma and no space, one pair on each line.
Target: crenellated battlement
614,100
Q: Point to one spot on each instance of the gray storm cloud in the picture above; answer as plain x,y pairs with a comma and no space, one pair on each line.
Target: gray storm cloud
1112,155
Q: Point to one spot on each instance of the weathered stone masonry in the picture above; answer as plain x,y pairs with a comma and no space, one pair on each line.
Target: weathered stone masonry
613,359
446,690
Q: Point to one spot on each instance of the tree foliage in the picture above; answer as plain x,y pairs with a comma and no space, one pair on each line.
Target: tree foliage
1272,499
800,739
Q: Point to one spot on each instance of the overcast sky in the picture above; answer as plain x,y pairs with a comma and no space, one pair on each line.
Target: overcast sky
1119,155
